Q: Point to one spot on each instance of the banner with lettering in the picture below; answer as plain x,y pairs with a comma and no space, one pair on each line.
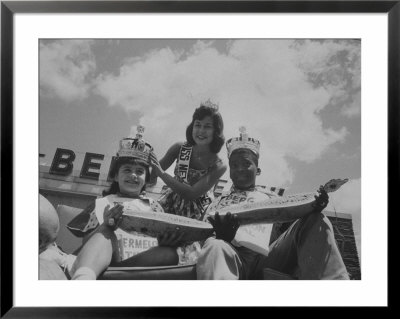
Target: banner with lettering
183,162
131,244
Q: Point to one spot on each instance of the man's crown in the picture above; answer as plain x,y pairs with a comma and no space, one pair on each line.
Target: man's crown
243,141
135,147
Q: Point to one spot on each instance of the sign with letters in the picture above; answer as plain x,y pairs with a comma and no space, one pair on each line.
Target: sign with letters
93,166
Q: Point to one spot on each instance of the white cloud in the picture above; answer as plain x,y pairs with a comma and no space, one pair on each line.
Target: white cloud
276,88
259,84
65,67
336,66
353,108
347,199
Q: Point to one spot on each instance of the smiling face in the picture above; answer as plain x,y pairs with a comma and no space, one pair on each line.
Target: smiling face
243,169
131,178
203,131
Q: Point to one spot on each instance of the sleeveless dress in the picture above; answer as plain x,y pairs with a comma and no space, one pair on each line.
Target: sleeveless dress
173,203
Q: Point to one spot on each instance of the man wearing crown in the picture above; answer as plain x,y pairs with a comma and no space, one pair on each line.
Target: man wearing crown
306,250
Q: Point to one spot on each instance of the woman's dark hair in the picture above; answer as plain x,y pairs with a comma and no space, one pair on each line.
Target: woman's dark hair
218,138
114,187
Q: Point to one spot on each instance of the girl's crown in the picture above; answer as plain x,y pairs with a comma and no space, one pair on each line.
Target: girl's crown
135,147
243,141
210,104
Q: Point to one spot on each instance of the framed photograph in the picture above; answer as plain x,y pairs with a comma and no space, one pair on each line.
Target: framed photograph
315,82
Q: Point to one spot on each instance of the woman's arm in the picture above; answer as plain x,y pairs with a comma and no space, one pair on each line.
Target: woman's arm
168,159
191,192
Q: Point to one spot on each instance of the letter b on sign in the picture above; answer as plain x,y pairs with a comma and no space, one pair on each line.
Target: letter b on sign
62,162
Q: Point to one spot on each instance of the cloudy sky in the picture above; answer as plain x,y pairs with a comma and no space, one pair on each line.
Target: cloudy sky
300,98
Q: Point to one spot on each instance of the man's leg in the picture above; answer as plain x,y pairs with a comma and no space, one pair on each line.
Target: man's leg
307,250
218,260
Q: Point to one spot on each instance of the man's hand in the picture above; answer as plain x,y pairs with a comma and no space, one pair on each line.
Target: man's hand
170,239
321,200
225,227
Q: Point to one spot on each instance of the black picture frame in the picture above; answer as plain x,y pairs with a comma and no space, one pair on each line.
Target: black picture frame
9,8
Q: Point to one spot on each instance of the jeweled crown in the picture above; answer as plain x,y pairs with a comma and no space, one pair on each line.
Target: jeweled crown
243,141
135,147
210,104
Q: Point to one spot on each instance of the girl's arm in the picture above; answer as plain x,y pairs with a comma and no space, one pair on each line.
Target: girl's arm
191,192
168,159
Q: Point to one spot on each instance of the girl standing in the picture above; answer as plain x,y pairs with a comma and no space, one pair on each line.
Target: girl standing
198,168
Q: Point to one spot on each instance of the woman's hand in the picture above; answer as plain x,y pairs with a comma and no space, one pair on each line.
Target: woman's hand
225,227
170,239
321,200
112,217
155,164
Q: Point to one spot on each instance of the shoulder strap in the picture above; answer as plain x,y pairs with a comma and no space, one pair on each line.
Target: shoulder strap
183,161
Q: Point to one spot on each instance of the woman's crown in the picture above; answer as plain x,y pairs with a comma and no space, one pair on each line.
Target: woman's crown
135,147
243,141
210,104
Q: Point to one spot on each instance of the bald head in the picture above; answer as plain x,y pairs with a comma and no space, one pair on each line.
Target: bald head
49,224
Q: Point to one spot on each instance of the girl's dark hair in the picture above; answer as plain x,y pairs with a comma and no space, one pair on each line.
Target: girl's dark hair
218,138
114,187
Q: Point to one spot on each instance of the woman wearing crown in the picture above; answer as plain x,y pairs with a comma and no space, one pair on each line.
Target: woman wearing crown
198,168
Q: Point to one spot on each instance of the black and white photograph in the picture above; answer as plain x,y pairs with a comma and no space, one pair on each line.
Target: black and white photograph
169,154
132,126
